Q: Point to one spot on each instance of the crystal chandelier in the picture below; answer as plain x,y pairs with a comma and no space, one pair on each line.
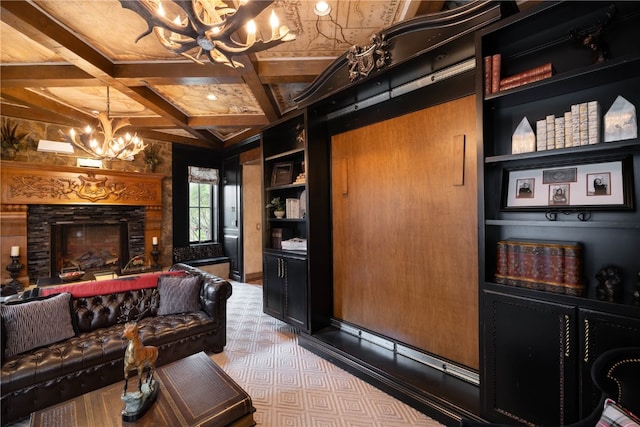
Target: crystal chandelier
102,142
209,26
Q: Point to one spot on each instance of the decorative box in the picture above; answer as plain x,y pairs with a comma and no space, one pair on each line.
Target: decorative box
552,266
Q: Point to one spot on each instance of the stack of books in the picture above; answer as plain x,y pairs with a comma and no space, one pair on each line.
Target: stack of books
493,81
293,208
276,238
581,125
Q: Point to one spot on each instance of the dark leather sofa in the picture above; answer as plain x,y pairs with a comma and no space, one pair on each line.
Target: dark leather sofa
93,358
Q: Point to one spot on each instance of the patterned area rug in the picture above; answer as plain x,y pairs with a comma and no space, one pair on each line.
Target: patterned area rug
291,386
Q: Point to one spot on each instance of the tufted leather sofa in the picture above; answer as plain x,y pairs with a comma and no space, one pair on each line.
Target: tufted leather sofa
93,358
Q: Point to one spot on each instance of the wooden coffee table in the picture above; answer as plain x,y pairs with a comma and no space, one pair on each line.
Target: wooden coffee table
193,391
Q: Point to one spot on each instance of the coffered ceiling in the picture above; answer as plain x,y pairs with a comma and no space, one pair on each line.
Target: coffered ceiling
59,56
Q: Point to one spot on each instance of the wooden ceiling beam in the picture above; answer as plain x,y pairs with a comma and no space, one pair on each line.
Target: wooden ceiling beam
38,114
291,71
42,103
37,25
236,139
148,134
175,70
59,75
251,79
167,110
228,121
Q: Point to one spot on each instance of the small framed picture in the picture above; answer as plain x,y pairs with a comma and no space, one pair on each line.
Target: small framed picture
525,186
599,184
559,195
607,185
282,174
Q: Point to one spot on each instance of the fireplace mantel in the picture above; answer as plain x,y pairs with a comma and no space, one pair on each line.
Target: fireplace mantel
24,184
29,183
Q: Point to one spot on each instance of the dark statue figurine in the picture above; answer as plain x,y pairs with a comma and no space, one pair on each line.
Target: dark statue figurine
636,291
609,283
592,37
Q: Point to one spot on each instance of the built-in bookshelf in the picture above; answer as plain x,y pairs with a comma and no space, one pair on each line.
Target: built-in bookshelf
558,67
285,284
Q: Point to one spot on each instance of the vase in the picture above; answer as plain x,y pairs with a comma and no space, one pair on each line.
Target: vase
279,214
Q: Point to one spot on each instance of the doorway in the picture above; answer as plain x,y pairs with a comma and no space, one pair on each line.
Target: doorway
252,206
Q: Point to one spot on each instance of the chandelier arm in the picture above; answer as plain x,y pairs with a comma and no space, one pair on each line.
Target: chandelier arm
73,141
212,26
198,25
175,46
110,147
245,13
147,11
192,58
219,57
235,47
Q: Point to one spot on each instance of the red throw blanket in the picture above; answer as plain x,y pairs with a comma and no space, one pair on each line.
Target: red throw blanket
105,287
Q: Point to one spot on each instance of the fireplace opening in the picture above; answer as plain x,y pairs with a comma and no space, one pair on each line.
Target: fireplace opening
89,246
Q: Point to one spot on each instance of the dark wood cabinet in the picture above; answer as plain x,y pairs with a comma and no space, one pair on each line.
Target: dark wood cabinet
273,286
530,369
539,354
537,347
285,289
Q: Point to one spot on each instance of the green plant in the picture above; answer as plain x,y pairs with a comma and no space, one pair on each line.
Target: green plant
276,204
10,138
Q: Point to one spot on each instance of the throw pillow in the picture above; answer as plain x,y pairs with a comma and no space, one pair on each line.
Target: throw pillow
615,415
34,324
178,294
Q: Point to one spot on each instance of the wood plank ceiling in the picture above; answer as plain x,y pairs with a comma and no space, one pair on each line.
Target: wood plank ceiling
57,59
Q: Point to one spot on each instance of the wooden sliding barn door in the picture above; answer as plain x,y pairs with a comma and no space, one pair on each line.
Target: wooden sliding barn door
404,194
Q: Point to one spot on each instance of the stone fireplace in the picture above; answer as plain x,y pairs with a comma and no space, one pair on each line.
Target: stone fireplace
91,238
64,216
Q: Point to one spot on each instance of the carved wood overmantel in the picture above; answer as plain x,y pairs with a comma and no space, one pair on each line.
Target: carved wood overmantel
28,183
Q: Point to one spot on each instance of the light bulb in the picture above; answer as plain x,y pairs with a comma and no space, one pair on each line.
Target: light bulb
275,23
322,8
251,27
251,33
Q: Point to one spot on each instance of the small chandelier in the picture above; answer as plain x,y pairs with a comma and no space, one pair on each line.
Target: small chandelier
209,26
102,142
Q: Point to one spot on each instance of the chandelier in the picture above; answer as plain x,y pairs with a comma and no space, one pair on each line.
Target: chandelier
102,142
209,26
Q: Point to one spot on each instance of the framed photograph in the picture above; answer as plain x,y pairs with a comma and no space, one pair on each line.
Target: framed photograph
607,185
282,174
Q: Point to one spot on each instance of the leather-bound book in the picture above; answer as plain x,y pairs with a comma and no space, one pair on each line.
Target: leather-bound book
553,266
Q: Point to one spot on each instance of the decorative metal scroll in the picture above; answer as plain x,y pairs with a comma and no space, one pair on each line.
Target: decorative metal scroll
87,187
364,60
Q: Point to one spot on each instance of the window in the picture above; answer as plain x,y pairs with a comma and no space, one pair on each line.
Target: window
203,205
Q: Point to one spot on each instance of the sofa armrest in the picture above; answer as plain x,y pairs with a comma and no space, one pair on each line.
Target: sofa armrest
214,293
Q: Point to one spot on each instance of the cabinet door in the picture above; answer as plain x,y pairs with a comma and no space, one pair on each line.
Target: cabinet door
600,332
296,305
530,368
273,285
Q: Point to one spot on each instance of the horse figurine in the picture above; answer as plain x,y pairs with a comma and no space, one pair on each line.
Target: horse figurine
137,356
